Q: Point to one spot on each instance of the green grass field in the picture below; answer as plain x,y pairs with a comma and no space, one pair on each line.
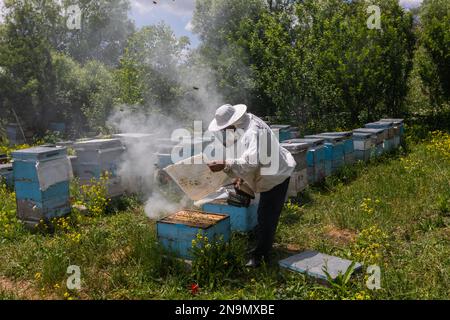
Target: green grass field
393,213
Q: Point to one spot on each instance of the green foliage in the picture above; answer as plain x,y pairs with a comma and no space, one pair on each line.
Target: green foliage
435,37
9,224
341,284
216,261
94,195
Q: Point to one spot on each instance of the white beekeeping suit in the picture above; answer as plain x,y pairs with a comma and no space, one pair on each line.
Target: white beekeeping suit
252,138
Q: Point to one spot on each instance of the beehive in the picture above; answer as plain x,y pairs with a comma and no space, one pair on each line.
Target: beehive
315,158
6,173
176,232
399,130
298,182
41,197
242,219
283,131
334,147
298,151
97,157
388,128
347,137
379,135
294,133
398,125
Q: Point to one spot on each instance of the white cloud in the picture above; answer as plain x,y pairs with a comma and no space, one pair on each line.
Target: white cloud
176,7
189,27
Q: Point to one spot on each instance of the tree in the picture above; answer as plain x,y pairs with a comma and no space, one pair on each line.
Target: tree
435,37
150,68
105,28
25,58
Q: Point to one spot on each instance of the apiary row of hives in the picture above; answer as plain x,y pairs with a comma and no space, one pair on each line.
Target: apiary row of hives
319,156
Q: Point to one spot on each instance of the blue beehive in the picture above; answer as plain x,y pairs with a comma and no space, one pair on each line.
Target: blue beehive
35,202
347,137
176,232
242,219
283,131
335,152
6,173
315,158
97,157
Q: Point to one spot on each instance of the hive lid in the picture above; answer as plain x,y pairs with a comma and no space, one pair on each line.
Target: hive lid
370,130
395,121
39,153
6,167
280,126
295,146
362,135
379,124
98,144
327,138
310,142
196,219
346,134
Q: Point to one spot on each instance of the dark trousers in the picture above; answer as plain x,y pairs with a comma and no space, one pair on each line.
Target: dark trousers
270,206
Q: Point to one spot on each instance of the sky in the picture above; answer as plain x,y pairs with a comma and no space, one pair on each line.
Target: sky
178,14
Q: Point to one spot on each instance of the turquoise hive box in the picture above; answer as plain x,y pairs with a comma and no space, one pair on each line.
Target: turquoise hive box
37,200
176,232
242,219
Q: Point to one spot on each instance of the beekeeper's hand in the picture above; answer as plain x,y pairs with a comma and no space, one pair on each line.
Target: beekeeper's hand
237,183
216,166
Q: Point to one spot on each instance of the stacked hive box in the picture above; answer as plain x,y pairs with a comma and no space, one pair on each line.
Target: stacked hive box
176,232
379,135
3,158
6,173
364,145
398,130
349,155
294,133
41,180
98,157
283,131
334,152
242,219
388,127
299,179
315,159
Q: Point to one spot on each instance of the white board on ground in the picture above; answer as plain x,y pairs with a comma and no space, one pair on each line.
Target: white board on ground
313,264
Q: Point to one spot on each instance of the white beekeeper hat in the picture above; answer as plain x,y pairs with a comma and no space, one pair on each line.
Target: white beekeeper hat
226,116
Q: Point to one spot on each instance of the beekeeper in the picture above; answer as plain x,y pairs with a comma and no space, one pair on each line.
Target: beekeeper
261,163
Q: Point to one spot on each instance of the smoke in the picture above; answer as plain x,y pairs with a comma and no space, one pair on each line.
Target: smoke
138,171
158,206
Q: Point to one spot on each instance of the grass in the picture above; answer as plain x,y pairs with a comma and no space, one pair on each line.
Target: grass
392,213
